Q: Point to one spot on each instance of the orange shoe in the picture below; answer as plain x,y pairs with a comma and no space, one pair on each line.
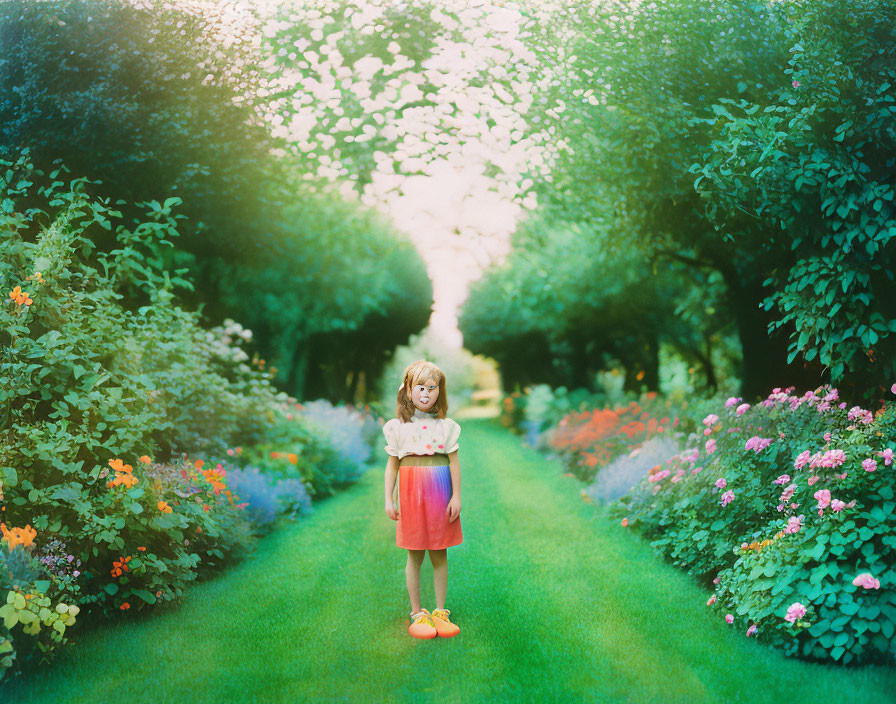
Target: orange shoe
443,625
422,625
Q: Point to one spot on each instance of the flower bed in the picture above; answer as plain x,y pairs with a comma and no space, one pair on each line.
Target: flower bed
787,509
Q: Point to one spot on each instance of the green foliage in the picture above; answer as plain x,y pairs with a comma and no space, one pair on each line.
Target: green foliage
101,402
569,299
786,553
752,141
327,287
813,157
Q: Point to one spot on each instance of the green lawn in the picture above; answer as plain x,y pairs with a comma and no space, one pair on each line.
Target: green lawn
554,602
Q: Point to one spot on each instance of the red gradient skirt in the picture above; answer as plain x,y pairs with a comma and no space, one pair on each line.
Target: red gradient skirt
424,489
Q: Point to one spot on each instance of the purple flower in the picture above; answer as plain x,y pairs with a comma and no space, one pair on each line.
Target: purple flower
721,483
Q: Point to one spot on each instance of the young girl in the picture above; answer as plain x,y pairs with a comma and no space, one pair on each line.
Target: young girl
422,447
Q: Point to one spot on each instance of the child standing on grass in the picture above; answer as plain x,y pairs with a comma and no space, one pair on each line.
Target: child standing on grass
422,446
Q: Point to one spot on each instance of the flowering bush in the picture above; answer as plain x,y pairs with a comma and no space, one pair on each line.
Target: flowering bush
342,426
266,496
89,384
589,440
787,502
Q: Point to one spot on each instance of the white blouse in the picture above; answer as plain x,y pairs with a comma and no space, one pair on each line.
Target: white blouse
425,434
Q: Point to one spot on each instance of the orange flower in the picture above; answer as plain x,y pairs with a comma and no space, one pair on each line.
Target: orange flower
20,296
164,507
198,464
18,536
625,522
293,458
145,459
119,466
125,606
141,548
198,529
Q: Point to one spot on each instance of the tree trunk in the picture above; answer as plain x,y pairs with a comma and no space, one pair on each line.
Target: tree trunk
764,365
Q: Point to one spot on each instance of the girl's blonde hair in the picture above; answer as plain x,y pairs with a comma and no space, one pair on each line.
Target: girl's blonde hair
418,372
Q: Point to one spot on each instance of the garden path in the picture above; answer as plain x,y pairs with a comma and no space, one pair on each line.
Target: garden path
555,603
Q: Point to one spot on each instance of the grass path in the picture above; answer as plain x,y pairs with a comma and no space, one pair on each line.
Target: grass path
555,604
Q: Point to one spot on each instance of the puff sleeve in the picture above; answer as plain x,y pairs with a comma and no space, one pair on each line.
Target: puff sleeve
452,433
390,430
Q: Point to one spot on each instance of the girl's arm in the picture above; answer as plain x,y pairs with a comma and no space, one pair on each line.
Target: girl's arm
455,474
391,474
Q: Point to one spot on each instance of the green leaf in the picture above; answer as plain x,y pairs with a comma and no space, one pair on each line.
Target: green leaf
147,596
111,588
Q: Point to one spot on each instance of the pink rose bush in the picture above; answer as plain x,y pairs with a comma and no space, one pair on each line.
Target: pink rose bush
819,583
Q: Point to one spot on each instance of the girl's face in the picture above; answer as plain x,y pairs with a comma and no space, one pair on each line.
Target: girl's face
425,394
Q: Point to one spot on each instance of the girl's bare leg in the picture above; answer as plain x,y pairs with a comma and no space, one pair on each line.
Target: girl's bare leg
412,574
439,559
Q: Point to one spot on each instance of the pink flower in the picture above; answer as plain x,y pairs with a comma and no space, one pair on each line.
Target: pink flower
715,581
729,618
796,610
727,497
867,581
711,419
707,431
711,600
823,497
893,389
742,408
837,505
793,525
860,414
678,475
842,405
710,446
780,507
757,443
887,455
659,475
811,480
827,437
696,470
869,465
787,494
721,483
783,479
795,84
751,630
732,401
802,459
